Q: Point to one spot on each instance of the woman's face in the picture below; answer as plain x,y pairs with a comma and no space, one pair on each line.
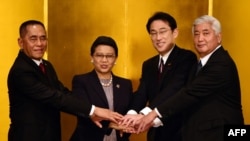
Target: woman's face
104,59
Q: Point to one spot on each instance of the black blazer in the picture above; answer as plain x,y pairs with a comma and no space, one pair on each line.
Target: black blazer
36,100
210,100
89,87
155,91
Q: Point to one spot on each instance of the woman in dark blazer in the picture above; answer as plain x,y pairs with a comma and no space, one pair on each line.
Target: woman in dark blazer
103,89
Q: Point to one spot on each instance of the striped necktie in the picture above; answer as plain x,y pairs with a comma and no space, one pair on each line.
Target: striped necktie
160,69
161,66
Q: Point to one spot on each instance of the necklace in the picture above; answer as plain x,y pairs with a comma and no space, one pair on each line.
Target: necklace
107,84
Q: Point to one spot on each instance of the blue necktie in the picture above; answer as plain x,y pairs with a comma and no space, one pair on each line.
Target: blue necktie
199,66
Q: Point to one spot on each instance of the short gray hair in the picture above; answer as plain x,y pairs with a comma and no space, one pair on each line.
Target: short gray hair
215,23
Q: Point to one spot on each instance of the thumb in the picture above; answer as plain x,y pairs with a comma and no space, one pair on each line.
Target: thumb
121,133
98,124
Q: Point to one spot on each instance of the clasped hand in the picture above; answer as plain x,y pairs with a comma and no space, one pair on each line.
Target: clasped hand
135,123
129,123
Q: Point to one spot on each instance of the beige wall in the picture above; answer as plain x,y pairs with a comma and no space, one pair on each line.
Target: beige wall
73,25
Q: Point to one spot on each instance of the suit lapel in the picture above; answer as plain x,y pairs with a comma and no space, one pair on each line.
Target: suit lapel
116,91
155,73
169,63
215,56
95,83
46,79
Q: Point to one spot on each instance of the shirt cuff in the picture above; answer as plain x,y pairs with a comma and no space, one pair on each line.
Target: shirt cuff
157,122
92,110
132,112
145,110
158,113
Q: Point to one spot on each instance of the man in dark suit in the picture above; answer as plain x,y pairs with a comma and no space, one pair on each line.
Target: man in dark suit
157,78
212,97
37,96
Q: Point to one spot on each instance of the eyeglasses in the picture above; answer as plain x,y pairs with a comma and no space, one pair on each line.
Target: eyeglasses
101,56
161,32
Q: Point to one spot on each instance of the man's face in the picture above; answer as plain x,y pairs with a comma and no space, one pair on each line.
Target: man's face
162,36
34,42
205,39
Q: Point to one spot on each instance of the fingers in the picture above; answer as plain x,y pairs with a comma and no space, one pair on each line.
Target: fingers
145,122
106,114
130,129
115,117
130,120
127,122
98,124
121,133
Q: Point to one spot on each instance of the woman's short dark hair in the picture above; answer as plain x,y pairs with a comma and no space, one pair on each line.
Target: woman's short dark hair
104,40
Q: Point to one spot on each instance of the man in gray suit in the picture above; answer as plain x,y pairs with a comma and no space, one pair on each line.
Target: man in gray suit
212,97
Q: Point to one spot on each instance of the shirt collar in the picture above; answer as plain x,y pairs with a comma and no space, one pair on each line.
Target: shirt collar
205,58
37,61
165,56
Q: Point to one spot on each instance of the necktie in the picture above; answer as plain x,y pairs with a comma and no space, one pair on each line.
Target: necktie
199,66
161,66
41,66
160,69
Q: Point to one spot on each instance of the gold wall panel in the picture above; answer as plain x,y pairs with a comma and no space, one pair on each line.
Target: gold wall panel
73,26
12,14
235,21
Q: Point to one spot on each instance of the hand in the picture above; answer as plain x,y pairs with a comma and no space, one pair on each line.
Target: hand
122,128
130,119
116,126
145,122
105,114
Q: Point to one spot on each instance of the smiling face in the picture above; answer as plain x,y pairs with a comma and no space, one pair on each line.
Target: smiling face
34,42
104,58
205,38
163,38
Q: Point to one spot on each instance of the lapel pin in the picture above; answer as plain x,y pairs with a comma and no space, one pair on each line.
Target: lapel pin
117,86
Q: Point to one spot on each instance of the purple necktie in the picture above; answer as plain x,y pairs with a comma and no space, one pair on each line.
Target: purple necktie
161,66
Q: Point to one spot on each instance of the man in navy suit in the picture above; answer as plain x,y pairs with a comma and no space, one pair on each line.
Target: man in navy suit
37,96
212,97
160,80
